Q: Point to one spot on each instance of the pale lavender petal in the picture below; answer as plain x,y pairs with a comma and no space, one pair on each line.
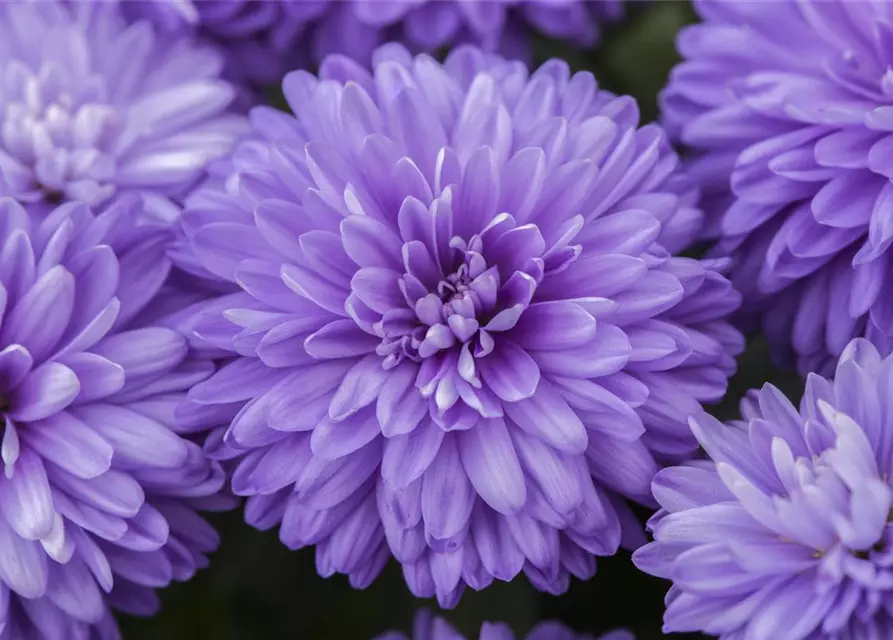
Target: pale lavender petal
492,465
45,391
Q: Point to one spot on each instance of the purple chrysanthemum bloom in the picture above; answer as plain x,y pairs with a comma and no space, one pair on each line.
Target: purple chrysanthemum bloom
461,332
98,491
786,532
262,38
789,105
259,39
91,107
430,627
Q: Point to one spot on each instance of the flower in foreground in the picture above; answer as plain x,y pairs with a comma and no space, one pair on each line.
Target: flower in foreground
461,334
789,104
429,627
92,107
98,491
259,37
785,532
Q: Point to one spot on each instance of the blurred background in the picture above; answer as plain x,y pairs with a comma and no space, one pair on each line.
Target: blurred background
257,588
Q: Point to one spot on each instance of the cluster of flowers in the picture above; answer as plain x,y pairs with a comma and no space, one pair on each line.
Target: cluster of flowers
439,312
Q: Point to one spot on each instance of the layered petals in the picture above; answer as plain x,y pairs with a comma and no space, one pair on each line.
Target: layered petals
471,330
107,108
785,530
292,33
793,155
97,488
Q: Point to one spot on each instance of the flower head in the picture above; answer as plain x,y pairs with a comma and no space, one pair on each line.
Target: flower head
91,107
785,532
429,627
461,332
789,104
98,490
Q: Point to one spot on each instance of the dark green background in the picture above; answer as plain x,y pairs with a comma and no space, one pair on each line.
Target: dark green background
258,589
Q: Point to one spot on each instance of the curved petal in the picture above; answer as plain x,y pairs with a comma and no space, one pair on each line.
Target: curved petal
492,465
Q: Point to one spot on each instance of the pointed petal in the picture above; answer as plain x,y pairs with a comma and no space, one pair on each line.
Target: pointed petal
360,387
26,500
492,466
510,372
45,391
548,417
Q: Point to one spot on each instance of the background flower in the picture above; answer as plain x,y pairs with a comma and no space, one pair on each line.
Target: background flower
99,490
259,39
788,105
785,532
461,333
91,107
429,627
264,39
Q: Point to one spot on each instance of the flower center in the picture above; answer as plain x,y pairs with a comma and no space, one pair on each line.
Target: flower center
440,316
59,135
455,286
456,294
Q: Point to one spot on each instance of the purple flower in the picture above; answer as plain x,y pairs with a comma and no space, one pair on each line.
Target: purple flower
259,39
429,627
98,490
264,39
789,105
460,329
91,107
786,532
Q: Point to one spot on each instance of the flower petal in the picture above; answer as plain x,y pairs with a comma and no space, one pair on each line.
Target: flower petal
492,466
23,564
400,406
509,372
144,351
447,494
26,500
331,440
45,391
340,339
406,457
557,325
546,416
67,442
139,442
39,319
360,387
15,363
98,376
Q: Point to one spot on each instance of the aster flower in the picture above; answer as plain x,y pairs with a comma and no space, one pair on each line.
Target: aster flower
92,107
264,39
259,39
461,334
785,532
788,105
98,489
429,627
